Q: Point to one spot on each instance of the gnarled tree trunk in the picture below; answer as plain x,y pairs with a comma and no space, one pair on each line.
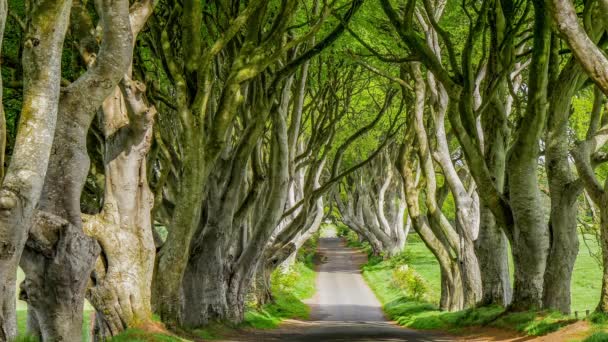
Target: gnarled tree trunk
122,279
22,185
67,261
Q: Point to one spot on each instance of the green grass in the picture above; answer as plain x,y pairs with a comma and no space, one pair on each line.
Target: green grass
425,315
599,328
586,278
288,292
597,337
138,335
22,322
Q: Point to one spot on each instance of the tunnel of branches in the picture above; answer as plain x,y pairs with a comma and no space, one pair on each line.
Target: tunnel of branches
162,158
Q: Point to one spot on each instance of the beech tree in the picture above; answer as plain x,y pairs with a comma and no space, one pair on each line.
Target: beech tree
58,253
24,179
174,154
512,213
375,209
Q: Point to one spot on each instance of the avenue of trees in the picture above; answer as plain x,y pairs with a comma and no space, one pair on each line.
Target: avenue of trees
166,156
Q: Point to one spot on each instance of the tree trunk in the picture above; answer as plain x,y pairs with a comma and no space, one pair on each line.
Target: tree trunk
564,190
603,304
22,185
492,252
491,246
121,283
173,257
204,284
452,298
57,261
67,263
530,236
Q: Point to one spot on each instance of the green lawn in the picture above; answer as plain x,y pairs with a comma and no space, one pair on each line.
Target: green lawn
21,326
587,278
424,314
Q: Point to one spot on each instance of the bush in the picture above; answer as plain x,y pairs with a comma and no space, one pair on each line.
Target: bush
306,254
411,282
342,230
283,280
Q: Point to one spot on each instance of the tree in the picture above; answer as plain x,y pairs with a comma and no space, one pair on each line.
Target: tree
24,179
58,253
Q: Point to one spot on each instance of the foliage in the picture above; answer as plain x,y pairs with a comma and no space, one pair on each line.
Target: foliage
408,280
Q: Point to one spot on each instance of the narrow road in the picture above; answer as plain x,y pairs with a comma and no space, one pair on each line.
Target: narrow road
344,307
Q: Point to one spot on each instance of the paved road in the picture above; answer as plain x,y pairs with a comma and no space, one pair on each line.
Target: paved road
344,308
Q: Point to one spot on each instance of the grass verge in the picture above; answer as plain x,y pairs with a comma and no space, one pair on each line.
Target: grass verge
424,314
289,289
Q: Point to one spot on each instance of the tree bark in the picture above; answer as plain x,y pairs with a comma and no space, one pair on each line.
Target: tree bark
57,261
22,185
588,54
492,250
530,238
564,189
73,254
122,278
120,290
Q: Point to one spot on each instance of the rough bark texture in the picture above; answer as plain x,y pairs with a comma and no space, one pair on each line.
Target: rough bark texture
589,55
57,261
72,255
491,245
564,189
492,250
530,238
22,185
121,282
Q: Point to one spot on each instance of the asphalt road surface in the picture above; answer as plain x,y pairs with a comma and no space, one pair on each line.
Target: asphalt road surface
344,307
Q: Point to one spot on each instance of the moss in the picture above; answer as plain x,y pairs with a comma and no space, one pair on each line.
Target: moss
139,335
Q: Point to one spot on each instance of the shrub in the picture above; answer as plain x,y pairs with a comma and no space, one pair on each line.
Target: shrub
411,282
342,230
283,280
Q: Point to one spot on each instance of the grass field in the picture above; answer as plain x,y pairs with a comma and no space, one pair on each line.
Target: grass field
423,314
